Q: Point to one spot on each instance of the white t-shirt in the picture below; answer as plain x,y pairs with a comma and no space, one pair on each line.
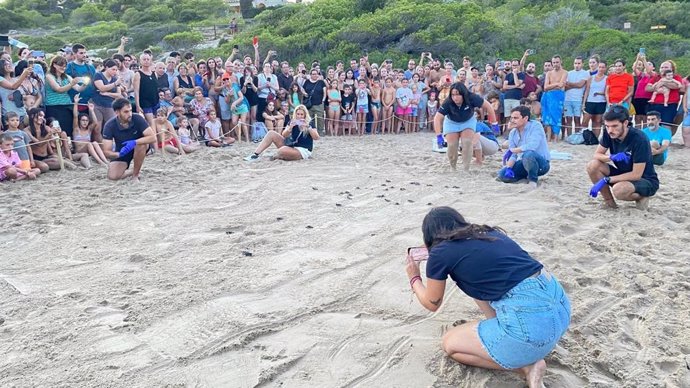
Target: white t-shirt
574,76
212,130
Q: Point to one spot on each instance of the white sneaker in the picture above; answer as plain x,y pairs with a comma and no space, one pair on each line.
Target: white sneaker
251,158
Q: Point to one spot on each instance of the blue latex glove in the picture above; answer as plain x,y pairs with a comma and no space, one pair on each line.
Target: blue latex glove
496,129
507,156
439,140
594,191
127,147
620,157
509,173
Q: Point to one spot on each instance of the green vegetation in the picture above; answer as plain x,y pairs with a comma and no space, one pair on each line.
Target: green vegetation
398,29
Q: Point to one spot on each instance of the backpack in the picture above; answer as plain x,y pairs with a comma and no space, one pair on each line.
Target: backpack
259,131
589,138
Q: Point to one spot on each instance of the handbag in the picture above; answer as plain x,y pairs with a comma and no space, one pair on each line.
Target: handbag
307,102
18,99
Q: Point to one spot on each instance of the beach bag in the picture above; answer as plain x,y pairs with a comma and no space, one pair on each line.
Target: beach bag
18,99
307,102
575,138
259,131
589,138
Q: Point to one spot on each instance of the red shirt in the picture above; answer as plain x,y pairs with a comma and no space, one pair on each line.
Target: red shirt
674,94
618,86
531,84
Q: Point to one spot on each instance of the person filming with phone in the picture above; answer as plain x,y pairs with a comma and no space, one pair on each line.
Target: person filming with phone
526,309
296,142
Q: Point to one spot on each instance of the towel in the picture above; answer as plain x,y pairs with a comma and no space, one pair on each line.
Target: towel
552,109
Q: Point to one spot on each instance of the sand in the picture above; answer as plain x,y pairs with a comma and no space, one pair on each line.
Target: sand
215,272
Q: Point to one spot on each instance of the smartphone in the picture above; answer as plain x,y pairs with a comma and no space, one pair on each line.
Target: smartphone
31,62
255,40
418,253
236,47
643,51
530,52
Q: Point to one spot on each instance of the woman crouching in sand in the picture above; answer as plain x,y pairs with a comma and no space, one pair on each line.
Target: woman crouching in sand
526,308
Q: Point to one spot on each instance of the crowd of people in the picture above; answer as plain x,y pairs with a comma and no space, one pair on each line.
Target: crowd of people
216,102
68,111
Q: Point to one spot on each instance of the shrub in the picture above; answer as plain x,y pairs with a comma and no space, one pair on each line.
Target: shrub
183,39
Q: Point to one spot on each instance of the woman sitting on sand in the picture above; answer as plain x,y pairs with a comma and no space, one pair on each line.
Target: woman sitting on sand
526,308
83,127
296,141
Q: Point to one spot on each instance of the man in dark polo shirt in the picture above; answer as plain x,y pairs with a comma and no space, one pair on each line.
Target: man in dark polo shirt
631,176
131,135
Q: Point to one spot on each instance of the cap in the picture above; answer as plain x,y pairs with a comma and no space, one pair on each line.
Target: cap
225,76
66,49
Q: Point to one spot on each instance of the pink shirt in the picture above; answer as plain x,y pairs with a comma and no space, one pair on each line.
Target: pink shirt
642,81
8,161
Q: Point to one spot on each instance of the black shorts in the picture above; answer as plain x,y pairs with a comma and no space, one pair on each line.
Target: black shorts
126,159
643,187
595,108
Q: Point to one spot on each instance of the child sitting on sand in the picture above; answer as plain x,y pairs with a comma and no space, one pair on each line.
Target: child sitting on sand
213,129
165,132
10,164
21,144
83,127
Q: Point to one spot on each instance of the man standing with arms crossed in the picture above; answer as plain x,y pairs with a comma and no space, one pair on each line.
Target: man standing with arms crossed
574,96
552,100
512,87
131,135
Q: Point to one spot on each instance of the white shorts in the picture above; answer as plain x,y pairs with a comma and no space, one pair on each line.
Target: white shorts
508,105
306,154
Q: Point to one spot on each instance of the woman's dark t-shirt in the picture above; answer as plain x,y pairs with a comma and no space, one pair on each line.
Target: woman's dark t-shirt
303,140
483,269
461,113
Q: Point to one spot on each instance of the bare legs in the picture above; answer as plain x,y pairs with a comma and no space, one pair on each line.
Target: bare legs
118,170
463,345
272,137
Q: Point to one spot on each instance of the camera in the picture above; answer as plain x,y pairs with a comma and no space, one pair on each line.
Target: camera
530,52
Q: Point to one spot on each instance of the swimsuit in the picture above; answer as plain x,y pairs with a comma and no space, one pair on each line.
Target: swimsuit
376,104
334,106
77,138
170,141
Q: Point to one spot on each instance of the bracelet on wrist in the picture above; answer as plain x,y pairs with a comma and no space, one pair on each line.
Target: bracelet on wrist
414,279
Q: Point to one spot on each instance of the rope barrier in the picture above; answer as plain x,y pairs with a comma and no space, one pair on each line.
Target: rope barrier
240,123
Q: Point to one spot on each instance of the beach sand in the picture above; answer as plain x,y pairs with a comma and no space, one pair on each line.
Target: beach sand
214,272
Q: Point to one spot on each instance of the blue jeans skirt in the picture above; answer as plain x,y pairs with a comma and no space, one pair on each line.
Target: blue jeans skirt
450,126
530,319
